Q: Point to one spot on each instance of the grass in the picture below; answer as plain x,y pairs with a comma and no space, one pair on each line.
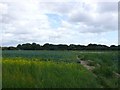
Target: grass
59,69
57,56
102,58
105,64
41,74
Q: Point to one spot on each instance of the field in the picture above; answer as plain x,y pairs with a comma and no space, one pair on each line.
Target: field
60,69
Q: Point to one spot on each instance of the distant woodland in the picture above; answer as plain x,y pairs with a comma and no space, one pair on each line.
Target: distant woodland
48,46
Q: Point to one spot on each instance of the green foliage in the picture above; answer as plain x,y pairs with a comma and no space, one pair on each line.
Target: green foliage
59,69
41,74
104,71
105,64
57,56
107,58
47,46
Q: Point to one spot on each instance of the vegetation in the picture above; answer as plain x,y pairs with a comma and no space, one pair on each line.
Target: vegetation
48,46
24,73
52,69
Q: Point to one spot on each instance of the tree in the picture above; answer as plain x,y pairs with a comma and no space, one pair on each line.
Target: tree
72,47
19,46
48,46
113,47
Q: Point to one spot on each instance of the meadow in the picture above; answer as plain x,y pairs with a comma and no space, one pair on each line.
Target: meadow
59,69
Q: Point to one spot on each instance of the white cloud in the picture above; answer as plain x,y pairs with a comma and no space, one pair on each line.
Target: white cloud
26,21
107,7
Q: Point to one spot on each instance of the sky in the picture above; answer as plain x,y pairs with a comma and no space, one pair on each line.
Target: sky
58,22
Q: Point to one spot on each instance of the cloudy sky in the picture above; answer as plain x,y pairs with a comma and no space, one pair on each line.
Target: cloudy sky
58,22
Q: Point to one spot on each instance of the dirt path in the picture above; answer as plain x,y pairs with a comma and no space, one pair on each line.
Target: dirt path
85,63
117,74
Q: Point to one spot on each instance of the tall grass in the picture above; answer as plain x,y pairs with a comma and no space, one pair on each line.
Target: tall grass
58,56
51,69
108,64
42,74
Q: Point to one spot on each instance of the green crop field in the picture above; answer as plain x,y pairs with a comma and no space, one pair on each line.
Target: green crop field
60,69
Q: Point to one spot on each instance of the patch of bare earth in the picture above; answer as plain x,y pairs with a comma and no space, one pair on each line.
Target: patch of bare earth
86,64
117,74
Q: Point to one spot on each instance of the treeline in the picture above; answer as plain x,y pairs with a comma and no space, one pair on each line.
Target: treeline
48,46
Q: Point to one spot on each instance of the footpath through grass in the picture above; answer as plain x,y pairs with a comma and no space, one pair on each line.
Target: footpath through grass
106,67
51,69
